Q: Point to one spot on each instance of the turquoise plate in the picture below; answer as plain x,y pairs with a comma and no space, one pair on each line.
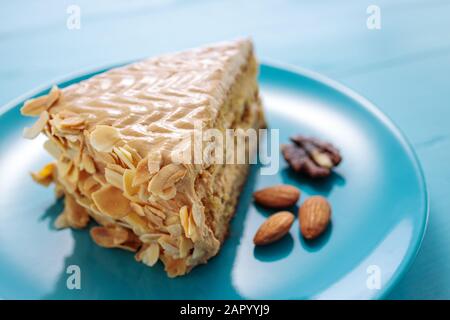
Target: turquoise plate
378,196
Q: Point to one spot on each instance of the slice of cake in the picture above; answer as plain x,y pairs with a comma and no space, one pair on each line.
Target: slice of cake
123,144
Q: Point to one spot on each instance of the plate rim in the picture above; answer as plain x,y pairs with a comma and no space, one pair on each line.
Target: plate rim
345,90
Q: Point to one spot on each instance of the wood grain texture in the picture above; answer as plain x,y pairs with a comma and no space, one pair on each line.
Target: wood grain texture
404,68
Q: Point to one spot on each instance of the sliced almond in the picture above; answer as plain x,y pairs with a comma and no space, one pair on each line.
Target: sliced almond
125,157
54,94
192,229
88,163
174,220
184,219
34,107
132,244
53,149
134,154
185,247
142,173
76,215
138,209
154,219
174,267
73,175
109,237
175,230
103,138
61,221
154,162
114,178
198,253
72,123
157,210
149,254
138,223
46,175
128,177
88,186
115,167
110,201
64,165
198,215
168,246
163,183
150,237
37,127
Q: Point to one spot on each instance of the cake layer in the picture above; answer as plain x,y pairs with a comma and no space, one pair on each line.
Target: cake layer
114,137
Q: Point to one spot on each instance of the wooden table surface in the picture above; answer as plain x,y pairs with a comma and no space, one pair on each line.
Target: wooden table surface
403,67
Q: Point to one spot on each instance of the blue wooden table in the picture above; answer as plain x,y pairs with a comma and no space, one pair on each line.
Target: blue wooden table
403,67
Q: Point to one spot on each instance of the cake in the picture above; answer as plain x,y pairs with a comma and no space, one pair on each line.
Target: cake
117,140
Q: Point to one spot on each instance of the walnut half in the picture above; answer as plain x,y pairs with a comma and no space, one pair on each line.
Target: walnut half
311,156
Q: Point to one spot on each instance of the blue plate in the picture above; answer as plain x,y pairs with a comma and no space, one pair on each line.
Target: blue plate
378,196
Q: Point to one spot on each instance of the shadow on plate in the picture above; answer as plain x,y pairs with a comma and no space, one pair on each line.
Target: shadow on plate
275,251
321,186
266,212
316,244
52,213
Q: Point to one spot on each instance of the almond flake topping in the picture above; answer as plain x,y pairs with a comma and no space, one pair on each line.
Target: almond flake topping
128,187
103,138
110,236
74,215
76,123
45,175
114,178
168,246
149,254
185,246
110,201
143,174
52,148
184,219
34,107
154,162
125,157
37,127
138,223
163,183
137,208
88,163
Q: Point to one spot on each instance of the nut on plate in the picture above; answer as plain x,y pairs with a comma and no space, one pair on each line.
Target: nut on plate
311,156
274,228
314,217
279,196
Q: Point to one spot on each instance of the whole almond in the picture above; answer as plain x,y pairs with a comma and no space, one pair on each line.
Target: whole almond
279,196
274,228
314,216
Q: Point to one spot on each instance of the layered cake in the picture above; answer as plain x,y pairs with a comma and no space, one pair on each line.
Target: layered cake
117,139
